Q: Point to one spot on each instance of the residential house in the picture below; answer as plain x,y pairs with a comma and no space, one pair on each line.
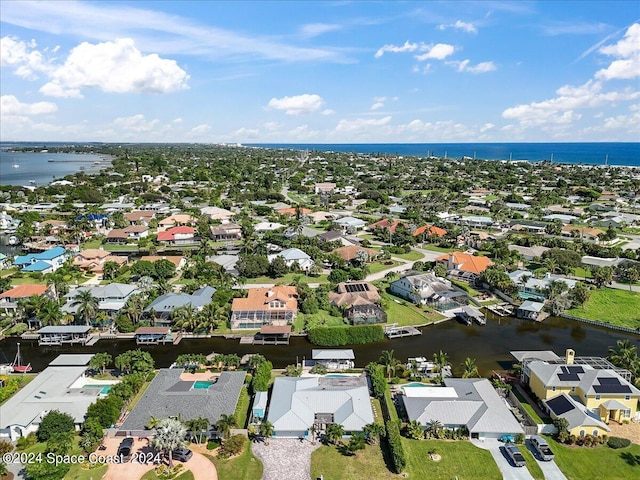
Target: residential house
294,255
267,226
228,262
428,289
181,235
300,404
359,301
334,359
111,297
464,265
9,299
277,306
52,227
294,211
217,213
140,217
591,235
560,217
426,232
93,260
174,393
177,219
164,305
354,252
471,403
389,224
326,188
528,253
178,260
44,262
536,289
226,232
350,224
132,233
476,221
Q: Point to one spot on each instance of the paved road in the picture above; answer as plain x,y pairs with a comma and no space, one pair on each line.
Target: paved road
509,472
549,469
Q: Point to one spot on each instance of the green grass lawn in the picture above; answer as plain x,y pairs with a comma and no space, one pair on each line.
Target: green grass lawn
413,255
288,278
435,248
406,313
25,280
467,288
532,413
22,381
460,459
365,465
617,307
151,475
94,243
578,463
242,467
581,272
379,266
532,465
321,318
77,473
242,408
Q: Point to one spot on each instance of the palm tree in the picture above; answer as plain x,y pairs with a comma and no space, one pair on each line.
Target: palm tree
470,369
441,360
389,362
185,317
433,428
50,313
87,305
334,432
266,431
170,434
357,442
100,361
226,423
198,425
414,430
374,431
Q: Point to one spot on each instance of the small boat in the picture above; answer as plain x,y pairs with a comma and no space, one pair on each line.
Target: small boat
17,364
15,165
6,368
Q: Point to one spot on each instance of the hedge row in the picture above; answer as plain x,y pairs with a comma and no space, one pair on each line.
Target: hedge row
336,336
395,446
378,382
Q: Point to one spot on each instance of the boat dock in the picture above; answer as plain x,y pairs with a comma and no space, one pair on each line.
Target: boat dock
393,331
469,314
501,309
93,339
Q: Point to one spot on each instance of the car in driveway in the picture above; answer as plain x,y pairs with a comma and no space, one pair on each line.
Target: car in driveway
515,455
542,449
125,447
181,454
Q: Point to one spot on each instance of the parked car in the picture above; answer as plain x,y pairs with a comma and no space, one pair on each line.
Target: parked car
515,455
182,454
542,448
125,447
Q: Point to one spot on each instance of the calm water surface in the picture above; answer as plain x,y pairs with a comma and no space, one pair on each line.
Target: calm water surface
489,345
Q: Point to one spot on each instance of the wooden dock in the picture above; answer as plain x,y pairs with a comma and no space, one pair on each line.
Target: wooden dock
177,338
501,309
393,331
93,339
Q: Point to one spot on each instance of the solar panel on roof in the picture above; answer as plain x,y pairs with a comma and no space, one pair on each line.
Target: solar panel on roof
560,405
612,388
609,381
356,287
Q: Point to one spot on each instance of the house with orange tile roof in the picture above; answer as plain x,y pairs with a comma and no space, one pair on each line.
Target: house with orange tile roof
275,306
178,260
388,224
177,219
464,264
140,217
93,259
180,235
9,299
585,233
424,232
294,211
350,252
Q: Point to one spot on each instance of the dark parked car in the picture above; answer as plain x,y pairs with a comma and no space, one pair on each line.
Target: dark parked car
182,454
515,455
124,450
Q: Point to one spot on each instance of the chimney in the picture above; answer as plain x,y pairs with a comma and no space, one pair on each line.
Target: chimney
570,354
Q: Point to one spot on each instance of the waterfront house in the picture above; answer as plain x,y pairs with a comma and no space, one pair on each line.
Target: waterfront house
293,255
181,235
298,404
335,358
62,386
44,262
111,297
177,220
470,403
359,302
226,232
580,421
530,310
276,306
464,265
164,305
174,393
10,298
428,289
537,289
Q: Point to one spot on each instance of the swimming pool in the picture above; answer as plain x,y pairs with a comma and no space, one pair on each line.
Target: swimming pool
335,375
415,385
104,389
202,384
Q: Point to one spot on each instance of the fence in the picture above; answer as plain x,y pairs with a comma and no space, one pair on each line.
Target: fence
600,324
533,427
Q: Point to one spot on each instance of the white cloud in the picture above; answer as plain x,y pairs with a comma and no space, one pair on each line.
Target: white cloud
298,104
200,130
464,66
315,29
56,90
327,111
377,105
439,51
460,25
116,67
486,127
136,123
627,52
22,56
407,47
10,106
359,124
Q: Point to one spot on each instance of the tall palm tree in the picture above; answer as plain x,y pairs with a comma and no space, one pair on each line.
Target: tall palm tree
374,431
441,360
226,423
266,431
50,313
469,368
87,305
185,317
434,428
334,432
389,362
170,434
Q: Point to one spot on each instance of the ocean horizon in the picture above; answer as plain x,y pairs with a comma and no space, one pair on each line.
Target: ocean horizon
592,153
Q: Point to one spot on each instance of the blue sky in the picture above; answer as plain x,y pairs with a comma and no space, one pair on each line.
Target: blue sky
320,72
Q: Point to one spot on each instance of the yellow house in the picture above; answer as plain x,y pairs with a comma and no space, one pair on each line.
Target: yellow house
581,421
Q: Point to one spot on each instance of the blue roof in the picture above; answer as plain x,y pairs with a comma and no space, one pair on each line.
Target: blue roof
46,255
38,266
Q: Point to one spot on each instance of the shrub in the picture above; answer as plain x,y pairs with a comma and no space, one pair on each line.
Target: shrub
519,438
318,369
232,446
617,442
378,382
395,446
26,442
348,335
213,444
55,423
262,377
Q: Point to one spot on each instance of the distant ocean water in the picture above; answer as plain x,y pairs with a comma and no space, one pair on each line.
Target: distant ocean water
35,168
624,153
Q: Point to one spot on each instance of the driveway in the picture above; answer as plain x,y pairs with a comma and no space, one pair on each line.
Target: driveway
509,472
549,469
285,458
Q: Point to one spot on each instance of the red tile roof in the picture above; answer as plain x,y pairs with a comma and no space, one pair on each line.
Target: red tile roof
430,230
387,224
466,262
23,291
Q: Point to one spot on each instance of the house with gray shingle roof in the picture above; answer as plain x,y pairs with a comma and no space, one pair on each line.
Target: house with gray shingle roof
297,404
165,304
471,403
170,396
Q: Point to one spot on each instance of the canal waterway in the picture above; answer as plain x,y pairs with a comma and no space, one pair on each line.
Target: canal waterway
489,345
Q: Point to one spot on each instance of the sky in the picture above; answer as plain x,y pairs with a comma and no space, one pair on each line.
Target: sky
320,72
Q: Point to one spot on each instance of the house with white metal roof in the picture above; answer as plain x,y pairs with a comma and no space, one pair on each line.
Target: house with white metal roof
297,404
470,403
334,359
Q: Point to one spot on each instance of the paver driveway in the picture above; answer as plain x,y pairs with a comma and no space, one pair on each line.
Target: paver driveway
285,458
